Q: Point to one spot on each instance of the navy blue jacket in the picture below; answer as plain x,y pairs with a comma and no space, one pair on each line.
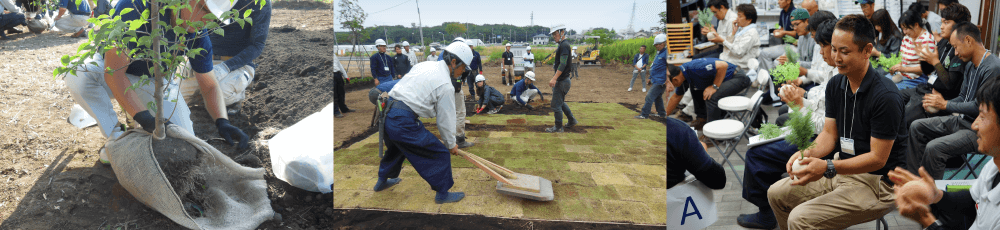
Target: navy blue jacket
244,44
645,59
378,62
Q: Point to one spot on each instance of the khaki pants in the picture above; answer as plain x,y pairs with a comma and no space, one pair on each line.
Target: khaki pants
837,203
460,112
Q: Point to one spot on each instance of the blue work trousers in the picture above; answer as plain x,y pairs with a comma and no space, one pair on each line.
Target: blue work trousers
407,134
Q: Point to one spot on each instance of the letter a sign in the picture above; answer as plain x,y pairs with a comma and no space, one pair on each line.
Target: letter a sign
690,205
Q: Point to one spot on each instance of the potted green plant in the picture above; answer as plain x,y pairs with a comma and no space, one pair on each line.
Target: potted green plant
802,129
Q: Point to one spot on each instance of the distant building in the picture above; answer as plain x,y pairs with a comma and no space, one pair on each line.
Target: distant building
540,39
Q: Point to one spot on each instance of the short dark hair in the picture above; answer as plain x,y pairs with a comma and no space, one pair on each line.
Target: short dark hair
818,18
963,29
911,18
989,94
956,12
947,3
824,32
748,11
863,30
718,3
642,46
918,7
673,72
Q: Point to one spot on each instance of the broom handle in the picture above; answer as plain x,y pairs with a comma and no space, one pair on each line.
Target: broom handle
506,173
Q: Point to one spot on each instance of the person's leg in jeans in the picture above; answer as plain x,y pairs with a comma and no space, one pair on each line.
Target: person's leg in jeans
655,96
730,87
636,73
472,88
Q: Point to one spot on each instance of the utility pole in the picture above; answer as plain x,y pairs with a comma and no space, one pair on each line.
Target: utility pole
532,19
421,27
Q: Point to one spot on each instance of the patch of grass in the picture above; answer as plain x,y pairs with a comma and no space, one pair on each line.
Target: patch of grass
553,164
578,178
521,163
582,209
599,192
612,178
565,192
350,198
605,149
540,210
648,181
626,211
654,159
624,158
634,193
578,148
460,162
565,156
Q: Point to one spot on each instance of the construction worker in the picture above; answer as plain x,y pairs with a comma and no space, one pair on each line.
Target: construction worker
641,61
460,101
477,67
340,78
234,54
382,65
410,54
490,99
560,82
575,63
433,56
402,62
529,60
93,88
12,19
428,92
508,67
76,20
659,73
525,90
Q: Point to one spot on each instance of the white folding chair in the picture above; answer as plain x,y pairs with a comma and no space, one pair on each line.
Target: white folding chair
731,131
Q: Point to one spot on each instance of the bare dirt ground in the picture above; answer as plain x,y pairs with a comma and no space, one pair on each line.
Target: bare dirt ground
50,177
602,85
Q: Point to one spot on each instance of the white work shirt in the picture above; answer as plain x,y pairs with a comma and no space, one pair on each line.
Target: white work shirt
431,57
427,90
742,47
9,6
529,56
987,199
726,24
815,98
412,55
337,67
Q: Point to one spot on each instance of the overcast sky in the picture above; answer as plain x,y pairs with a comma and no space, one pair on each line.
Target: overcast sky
576,14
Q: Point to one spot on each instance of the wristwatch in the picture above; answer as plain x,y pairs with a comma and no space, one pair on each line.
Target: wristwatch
830,170
715,86
935,226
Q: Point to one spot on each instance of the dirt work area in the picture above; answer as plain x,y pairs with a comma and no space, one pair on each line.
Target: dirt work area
50,177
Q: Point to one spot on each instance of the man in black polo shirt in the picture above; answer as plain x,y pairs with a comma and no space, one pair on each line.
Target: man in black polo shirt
864,124
933,140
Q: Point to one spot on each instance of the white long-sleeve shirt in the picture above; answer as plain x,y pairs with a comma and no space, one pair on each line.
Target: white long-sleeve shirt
412,55
726,24
9,6
821,74
742,47
815,99
337,67
427,90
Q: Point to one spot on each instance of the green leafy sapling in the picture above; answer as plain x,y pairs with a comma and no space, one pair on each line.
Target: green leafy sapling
789,39
786,72
111,33
885,62
705,16
802,129
769,131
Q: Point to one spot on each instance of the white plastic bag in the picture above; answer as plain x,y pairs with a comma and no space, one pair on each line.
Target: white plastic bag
690,205
302,154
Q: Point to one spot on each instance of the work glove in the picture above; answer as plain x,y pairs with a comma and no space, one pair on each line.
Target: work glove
220,70
229,131
147,121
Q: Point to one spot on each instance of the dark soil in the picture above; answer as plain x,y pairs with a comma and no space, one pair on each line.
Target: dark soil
180,161
350,141
367,85
373,219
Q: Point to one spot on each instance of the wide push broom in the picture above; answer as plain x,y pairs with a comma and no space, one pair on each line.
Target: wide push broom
512,183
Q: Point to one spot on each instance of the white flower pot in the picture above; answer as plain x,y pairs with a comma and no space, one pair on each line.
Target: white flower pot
711,35
796,167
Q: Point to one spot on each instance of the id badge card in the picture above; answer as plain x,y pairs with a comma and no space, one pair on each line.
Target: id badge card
386,68
932,78
847,146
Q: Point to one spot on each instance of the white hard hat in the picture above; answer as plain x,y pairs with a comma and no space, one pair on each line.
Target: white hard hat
462,51
480,78
530,75
433,50
574,47
459,39
508,44
529,47
217,7
659,39
405,43
557,28
379,42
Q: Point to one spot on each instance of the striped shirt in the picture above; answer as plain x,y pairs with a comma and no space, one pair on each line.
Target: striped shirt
908,51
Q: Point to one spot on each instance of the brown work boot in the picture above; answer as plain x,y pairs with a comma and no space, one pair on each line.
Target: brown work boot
708,142
698,123
684,117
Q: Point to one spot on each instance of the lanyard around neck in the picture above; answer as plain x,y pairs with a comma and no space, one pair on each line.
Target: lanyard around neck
854,108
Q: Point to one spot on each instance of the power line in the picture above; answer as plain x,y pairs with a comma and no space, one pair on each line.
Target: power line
400,4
